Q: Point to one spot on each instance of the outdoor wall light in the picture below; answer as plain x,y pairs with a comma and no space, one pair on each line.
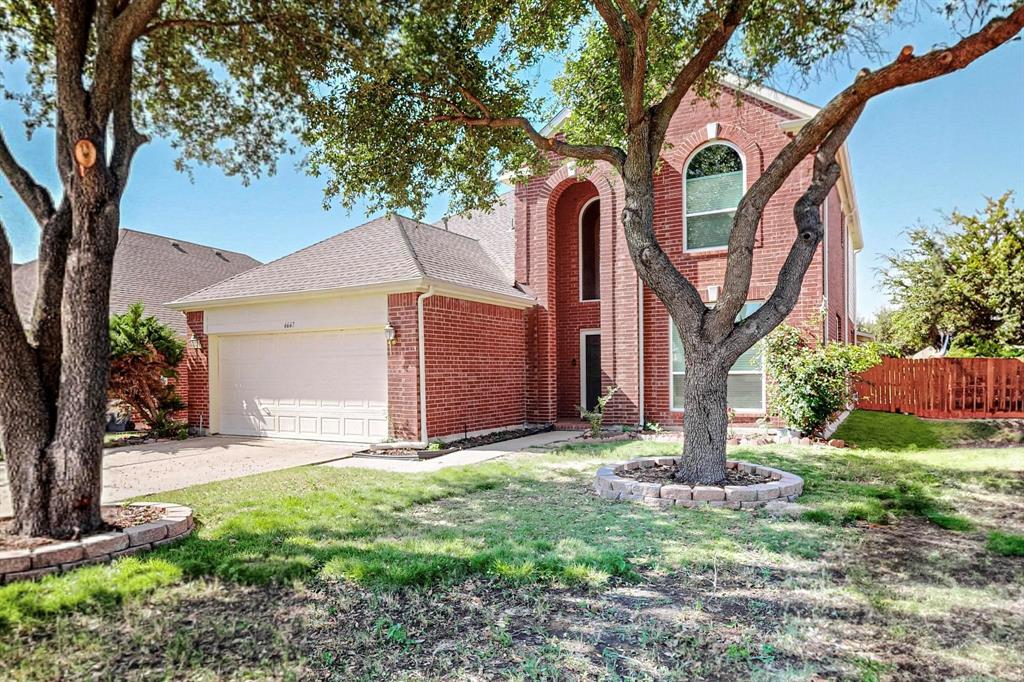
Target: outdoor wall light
194,343
389,333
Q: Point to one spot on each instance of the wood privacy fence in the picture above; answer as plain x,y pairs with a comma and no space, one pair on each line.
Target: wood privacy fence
945,388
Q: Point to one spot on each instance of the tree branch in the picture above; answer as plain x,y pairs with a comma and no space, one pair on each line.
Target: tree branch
613,155
195,22
36,197
127,139
905,70
810,232
663,111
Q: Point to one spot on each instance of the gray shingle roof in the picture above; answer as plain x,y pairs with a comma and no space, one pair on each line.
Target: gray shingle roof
388,249
152,269
494,230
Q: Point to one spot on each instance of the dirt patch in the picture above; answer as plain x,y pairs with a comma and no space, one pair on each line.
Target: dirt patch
115,518
666,474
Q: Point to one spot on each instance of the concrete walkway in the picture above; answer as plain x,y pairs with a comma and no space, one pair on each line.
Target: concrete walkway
455,459
159,467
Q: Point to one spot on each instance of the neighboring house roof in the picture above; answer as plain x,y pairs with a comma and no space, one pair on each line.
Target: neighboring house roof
495,231
152,269
801,111
388,250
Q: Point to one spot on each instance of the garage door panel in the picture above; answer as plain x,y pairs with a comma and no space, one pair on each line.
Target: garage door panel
325,385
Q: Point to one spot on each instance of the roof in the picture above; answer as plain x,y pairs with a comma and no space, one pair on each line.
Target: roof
152,269
495,230
387,250
802,111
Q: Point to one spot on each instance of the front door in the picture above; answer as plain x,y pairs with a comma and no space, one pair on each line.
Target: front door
591,368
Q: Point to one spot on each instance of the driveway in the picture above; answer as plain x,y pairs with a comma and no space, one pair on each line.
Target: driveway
141,470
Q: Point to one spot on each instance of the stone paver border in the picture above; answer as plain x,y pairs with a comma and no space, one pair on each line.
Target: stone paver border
175,524
611,486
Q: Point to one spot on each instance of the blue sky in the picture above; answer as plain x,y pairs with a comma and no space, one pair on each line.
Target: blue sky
916,152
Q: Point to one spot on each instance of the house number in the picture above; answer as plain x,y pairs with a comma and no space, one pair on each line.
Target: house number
289,325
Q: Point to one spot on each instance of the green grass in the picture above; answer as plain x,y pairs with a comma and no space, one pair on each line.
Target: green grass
528,525
899,432
1006,544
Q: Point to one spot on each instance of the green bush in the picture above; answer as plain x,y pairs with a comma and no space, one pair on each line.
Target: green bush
809,384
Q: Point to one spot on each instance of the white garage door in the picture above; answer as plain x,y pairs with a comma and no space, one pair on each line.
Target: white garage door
321,386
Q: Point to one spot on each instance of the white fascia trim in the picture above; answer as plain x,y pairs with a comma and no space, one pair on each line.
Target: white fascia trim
783,101
555,123
847,194
417,284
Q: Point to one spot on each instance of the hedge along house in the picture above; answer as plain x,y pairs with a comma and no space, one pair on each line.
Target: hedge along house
398,329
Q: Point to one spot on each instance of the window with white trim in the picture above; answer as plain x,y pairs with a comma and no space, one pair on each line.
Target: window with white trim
714,187
745,391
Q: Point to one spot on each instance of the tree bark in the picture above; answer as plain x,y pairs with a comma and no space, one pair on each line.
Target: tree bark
705,421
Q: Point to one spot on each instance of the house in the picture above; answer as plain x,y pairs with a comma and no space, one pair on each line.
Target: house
152,269
399,329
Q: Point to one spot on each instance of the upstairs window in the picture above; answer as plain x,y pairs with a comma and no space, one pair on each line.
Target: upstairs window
714,187
590,251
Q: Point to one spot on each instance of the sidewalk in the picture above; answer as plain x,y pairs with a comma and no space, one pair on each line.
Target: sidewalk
461,458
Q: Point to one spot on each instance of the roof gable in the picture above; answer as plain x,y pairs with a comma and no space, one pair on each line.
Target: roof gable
387,250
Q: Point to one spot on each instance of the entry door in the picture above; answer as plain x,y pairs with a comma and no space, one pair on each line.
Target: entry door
590,374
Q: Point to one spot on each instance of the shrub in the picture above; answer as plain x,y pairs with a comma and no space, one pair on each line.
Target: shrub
595,417
809,384
143,356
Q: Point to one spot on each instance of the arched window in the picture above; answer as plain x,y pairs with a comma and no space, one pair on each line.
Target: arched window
590,251
714,187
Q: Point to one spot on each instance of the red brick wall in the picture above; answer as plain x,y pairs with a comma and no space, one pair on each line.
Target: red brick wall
475,365
753,127
840,326
195,379
403,368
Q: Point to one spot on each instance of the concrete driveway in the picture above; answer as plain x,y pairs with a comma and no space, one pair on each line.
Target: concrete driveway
141,470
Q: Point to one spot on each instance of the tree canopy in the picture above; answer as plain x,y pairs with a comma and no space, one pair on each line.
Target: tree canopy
964,280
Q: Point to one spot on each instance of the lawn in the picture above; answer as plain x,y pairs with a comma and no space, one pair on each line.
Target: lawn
906,564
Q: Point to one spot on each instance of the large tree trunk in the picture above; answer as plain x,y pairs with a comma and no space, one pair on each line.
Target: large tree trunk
705,422
53,443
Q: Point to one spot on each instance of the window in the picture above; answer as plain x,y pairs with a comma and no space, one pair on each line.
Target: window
745,391
714,187
590,251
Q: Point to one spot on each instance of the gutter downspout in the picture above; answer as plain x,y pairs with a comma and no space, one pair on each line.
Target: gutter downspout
423,362
640,345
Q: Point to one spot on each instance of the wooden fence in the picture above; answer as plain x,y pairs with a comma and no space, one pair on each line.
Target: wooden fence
945,388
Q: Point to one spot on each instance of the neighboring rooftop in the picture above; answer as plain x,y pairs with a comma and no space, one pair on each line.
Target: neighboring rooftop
152,269
382,251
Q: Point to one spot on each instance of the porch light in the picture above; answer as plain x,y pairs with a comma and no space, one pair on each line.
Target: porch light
194,343
389,333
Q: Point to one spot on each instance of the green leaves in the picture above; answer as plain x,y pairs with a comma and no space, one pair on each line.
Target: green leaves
966,281
810,384
133,334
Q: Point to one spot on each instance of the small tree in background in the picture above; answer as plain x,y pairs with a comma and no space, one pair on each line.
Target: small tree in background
144,355
964,281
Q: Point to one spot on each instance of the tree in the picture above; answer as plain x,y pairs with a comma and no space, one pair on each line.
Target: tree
223,80
963,283
444,98
144,355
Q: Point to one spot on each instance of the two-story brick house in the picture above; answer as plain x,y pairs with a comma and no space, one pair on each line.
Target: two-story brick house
405,330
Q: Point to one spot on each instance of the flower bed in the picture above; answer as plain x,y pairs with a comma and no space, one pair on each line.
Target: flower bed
45,557
748,486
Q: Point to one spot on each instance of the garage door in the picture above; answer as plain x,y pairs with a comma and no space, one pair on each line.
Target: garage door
321,386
